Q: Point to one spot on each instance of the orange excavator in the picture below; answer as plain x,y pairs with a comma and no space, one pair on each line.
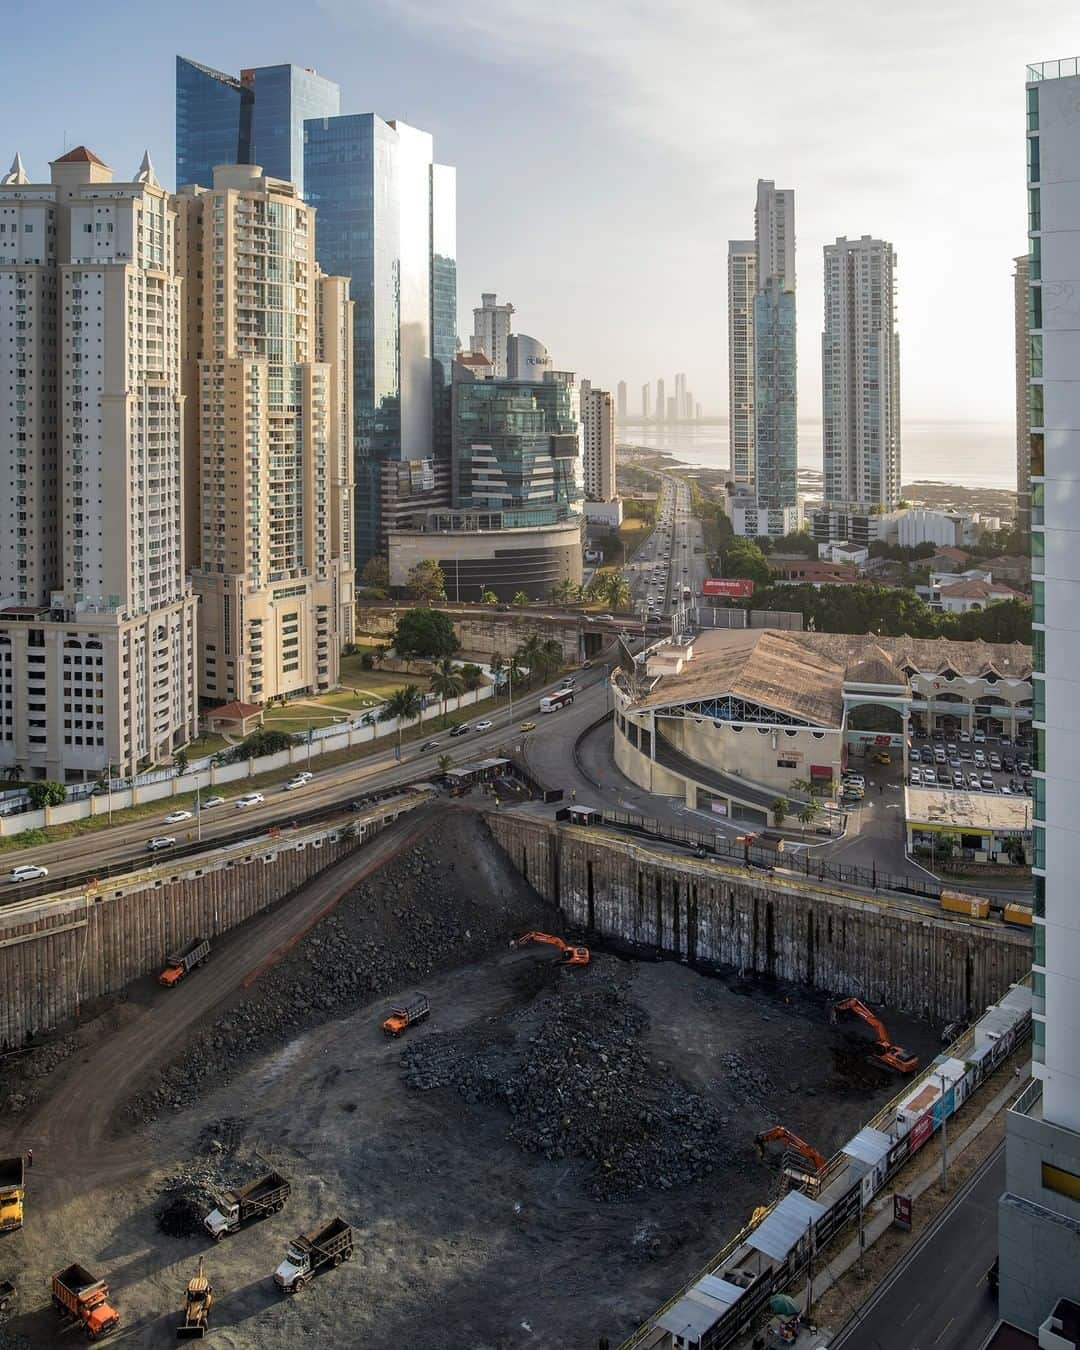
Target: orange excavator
571,956
785,1136
885,1053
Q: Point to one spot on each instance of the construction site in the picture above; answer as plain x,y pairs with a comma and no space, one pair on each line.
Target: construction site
454,1137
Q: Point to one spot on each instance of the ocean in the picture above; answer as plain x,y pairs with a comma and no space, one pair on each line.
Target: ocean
977,454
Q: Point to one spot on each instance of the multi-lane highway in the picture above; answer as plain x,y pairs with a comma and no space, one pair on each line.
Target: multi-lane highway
127,841
670,562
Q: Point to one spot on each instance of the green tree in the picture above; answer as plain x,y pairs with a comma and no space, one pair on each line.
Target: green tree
445,763
529,654
46,793
807,814
1013,848
447,682
472,676
779,807
551,657
744,559
520,599
426,582
425,635
375,575
404,703
489,598
801,542
180,763
263,741
613,590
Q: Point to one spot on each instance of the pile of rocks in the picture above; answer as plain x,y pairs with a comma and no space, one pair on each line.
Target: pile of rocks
577,1084
450,900
192,1193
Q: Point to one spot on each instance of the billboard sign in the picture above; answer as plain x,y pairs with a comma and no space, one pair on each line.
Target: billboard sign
902,1212
732,588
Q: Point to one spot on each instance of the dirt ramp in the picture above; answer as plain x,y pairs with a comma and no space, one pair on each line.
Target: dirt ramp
447,899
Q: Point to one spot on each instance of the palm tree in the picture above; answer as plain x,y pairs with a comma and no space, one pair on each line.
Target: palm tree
520,598
447,681
779,808
530,654
403,704
807,814
445,763
489,598
551,656
617,591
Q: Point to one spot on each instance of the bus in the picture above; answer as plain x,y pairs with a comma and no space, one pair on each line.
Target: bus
553,702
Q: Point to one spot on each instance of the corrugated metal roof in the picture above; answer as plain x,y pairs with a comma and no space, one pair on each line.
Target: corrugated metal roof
785,1226
692,1316
720,1288
1018,997
869,1146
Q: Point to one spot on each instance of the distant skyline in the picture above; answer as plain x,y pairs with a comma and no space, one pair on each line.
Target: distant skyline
645,130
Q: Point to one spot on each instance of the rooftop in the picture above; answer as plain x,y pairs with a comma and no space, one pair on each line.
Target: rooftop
80,155
974,812
803,674
977,590
1054,70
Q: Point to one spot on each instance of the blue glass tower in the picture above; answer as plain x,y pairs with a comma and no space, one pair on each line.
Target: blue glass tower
775,419
256,119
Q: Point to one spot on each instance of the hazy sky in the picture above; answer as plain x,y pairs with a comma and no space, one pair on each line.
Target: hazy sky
608,149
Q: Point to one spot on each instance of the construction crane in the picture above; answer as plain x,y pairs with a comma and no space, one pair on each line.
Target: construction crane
571,956
198,1301
785,1136
885,1053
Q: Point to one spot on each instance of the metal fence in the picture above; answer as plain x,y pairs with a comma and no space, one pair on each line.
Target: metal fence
870,878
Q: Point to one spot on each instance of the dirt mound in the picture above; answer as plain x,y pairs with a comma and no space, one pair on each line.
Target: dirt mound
448,901
570,1072
223,1164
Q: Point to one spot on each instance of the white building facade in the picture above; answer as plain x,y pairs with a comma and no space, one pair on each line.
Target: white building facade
1039,1213
860,376
491,328
742,286
97,629
598,443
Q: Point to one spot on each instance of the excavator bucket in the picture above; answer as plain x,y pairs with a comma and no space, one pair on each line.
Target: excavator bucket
191,1333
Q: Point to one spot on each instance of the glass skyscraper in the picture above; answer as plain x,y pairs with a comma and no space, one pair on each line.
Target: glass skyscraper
386,218
256,119
775,429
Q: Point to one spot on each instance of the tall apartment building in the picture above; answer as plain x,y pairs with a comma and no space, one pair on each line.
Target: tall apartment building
257,118
646,402
742,287
1039,1213
386,220
620,400
491,330
775,394
661,401
1021,284
268,370
860,376
97,621
598,443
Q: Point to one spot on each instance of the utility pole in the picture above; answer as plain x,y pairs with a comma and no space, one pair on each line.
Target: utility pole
198,812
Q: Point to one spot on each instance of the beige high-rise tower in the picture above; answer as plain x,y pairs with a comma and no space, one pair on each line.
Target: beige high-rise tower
268,367
598,442
97,621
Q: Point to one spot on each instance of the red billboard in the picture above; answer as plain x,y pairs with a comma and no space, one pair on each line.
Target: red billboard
734,588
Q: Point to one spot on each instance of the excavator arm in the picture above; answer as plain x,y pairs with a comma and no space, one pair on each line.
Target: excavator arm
782,1134
571,956
887,1054
854,1005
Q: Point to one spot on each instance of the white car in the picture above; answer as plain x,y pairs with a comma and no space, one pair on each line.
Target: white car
160,841
484,726
298,782
175,817
27,872
205,803
250,799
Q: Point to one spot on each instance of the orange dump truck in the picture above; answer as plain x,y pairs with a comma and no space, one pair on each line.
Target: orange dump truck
80,1297
1016,913
974,906
176,967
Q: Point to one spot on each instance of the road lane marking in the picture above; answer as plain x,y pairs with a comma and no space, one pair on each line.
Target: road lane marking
915,1307
944,1329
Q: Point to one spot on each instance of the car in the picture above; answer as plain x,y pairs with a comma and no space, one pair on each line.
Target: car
175,817
980,737
1023,768
915,777
987,783
1008,764
527,726
27,872
995,761
250,799
485,725
1005,790
298,782
950,749
973,782
160,841
926,755
881,757
965,738
980,758
1028,789
462,729
430,745
850,776
965,754
954,762
205,803
939,756
958,780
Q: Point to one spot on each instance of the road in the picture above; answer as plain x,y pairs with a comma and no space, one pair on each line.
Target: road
937,1297
73,1123
127,842
668,558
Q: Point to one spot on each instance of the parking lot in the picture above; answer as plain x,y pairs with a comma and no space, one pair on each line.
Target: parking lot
971,762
